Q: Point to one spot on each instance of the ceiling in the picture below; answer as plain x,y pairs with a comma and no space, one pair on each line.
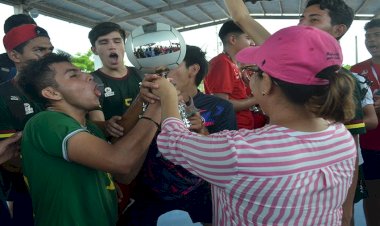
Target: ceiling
181,14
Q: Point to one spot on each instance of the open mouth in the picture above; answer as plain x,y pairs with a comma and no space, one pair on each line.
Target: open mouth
114,58
98,86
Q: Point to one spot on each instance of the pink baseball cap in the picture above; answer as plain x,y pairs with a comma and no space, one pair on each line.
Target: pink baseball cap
295,54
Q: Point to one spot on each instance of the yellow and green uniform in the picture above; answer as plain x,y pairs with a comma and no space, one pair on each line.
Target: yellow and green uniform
64,192
15,110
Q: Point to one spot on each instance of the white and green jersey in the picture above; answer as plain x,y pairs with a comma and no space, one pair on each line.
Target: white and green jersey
64,192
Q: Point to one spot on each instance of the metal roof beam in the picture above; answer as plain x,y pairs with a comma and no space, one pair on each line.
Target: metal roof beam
65,16
204,13
361,6
222,9
88,7
158,10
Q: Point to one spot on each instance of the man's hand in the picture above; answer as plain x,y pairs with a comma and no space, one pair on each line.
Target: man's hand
10,147
197,124
113,128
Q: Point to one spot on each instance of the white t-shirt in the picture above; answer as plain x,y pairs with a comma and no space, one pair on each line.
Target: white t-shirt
368,99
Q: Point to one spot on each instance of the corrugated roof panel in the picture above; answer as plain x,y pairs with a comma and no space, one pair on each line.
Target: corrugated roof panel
190,14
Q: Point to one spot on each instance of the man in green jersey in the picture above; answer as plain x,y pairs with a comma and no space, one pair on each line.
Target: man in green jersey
67,162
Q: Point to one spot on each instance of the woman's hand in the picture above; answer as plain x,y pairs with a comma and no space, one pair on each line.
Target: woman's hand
165,89
147,85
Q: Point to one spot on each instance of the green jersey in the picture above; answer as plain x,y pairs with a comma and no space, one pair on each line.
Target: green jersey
64,192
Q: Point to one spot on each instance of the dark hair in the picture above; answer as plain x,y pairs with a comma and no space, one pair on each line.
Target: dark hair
227,28
17,20
194,55
103,29
375,22
334,101
339,11
38,74
41,33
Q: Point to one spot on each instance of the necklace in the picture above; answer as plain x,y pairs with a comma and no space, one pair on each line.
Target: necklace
229,57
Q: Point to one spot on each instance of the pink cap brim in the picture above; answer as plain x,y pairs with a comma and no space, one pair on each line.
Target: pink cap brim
247,55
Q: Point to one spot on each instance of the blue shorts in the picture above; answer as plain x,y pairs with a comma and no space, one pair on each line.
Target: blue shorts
371,165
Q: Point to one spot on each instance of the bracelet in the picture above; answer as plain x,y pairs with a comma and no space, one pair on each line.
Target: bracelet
150,119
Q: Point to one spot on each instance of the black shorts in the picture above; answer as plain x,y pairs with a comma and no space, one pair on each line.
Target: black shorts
361,189
371,165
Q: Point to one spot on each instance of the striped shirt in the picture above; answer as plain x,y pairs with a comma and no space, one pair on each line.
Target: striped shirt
269,176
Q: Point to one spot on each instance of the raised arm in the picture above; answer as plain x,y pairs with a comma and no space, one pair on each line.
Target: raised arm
126,155
240,15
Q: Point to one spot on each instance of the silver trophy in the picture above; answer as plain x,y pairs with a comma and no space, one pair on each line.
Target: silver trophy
186,109
157,48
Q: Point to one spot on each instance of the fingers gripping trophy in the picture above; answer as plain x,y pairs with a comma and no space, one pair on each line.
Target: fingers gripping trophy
156,48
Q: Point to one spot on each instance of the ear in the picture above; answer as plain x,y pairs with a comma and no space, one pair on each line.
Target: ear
14,56
51,94
339,30
231,39
93,49
193,70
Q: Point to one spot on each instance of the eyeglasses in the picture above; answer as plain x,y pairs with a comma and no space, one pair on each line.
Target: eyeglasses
249,70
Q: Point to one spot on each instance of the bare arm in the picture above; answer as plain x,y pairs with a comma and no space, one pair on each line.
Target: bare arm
125,156
238,105
240,15
370,117
9,148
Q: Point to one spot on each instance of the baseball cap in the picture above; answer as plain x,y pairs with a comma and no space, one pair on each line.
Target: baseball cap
295,54
21,34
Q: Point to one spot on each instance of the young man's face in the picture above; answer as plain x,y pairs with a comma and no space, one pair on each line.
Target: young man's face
242,41
76,88
372,41
316,17
34,50
181,77
110,49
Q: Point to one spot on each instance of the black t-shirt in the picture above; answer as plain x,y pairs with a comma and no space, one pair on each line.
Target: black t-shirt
118,93
163,186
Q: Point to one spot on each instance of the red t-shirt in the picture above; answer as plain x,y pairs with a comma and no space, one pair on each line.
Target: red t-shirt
224,77
370,140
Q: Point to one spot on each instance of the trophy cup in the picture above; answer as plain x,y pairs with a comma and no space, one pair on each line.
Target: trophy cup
157,48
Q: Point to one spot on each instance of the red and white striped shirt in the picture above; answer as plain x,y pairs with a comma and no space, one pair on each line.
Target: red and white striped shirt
269,176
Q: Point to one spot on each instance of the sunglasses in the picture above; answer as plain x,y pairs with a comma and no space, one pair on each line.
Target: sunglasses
249,70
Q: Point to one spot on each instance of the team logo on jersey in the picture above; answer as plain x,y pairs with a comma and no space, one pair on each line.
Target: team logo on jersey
28,109
108,92
127,101
15,98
